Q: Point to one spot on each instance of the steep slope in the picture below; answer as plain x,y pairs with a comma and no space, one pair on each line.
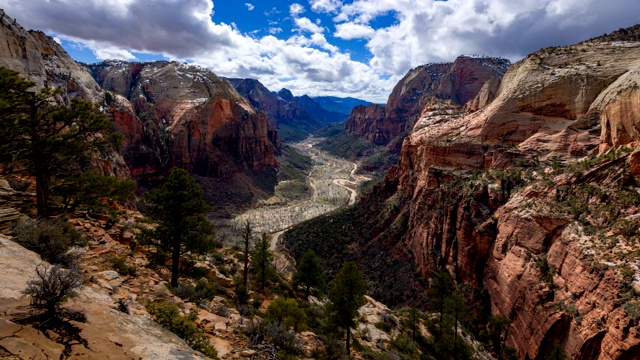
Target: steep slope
510,196
459,81
292,119
185,116
43,61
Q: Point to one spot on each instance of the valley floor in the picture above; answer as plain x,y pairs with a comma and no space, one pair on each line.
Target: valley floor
333,184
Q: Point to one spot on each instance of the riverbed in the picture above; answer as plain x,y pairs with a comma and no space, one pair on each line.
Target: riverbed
333,182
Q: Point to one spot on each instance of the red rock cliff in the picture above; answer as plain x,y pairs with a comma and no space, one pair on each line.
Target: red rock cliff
186,116
529,194
459,81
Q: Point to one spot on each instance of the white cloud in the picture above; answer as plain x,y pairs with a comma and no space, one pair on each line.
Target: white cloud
349,31
325,6
307,62
249,6
296,9
305,24
432,31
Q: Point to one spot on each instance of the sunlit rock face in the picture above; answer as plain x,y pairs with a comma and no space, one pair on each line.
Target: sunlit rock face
185,116
539,261
460,82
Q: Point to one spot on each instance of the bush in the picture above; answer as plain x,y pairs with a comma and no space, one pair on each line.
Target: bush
19,185
51,239
52,288
204,290
121,266
275,333
288,313
166,314
333,349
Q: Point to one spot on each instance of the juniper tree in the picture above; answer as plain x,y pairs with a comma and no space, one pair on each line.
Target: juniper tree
309,273
242,291
347,296
182,227
261,262
50,139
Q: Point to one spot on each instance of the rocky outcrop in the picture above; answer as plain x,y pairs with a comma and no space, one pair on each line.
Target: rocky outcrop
558,103
460,82
43,61
137,336
521,194
185,116
170,114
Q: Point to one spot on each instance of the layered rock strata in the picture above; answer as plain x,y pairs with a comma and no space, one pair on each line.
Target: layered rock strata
460,81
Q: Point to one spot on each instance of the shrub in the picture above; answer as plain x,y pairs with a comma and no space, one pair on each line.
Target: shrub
19,185
275,333
166,314
121,266
52,288
51,239
203,290
288,313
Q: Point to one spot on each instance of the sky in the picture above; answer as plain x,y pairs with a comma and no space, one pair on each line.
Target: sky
358,48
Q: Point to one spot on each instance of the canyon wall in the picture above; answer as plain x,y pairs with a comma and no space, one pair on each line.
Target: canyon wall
459,81
492,195
528,193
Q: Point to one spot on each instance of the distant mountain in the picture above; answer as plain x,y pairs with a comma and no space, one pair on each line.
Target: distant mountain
338,104
320,112
293,121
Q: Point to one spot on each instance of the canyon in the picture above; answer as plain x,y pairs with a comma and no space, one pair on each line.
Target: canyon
501,193
520,180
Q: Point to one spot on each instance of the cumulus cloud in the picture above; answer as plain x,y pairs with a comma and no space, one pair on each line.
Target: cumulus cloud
296,9
249,6
433,31
305,24
325,6
349,31
306,61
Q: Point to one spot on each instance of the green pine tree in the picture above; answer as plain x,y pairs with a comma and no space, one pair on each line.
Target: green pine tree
49,139
309,273
262,262
441,288
182,227
347,296
288,313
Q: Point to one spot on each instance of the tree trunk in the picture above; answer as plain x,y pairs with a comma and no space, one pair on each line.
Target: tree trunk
42,178
455,332
264,272
42,193
175,264
348,338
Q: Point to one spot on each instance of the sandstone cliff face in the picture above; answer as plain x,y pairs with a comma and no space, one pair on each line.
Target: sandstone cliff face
185,116
528,192
43,61
460,81
560,104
